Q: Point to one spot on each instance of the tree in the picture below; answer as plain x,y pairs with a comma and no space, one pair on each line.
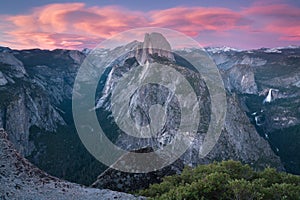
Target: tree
226,180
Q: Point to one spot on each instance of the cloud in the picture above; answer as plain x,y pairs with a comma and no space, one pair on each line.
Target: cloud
75,26
282,19
194,20
68,25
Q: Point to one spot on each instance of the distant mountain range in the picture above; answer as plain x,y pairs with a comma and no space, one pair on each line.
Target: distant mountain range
262,125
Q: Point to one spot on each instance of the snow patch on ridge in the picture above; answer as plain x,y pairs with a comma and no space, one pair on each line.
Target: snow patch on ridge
221,49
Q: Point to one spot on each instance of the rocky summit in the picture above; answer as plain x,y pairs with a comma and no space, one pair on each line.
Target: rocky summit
261,125
239,139
154,44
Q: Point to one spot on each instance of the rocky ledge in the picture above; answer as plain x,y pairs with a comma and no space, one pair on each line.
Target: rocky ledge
19,179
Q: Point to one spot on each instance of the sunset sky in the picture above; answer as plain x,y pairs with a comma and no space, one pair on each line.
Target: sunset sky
244,24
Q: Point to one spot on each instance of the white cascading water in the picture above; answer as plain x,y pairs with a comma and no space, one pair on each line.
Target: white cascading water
268,99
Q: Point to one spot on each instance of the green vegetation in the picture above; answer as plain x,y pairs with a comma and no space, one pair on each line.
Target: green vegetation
288,142
62,154
226,180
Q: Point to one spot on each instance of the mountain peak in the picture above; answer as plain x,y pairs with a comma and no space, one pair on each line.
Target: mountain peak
156,41
154,44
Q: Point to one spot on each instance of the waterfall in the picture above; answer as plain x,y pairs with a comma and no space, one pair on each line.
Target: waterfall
268,99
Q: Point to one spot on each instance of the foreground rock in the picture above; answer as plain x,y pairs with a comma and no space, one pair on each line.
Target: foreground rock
19,179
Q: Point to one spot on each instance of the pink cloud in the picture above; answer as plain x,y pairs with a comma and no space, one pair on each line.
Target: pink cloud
75,26
282,19
195,20
44,27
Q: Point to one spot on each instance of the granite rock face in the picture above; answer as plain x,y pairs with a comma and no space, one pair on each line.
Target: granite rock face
240,79
35,86
237,125
270,95
155,44
239,139
31,97
236,143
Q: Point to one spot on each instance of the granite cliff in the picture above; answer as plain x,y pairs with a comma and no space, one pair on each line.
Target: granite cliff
35,107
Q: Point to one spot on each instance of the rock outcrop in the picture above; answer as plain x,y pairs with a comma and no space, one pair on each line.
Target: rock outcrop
239,139
31,96
155,44
240,79
21,180
239,134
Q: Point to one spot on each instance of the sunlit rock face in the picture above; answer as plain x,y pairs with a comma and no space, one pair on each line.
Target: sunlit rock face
155,44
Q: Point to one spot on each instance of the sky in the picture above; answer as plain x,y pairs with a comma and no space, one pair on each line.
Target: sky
242,24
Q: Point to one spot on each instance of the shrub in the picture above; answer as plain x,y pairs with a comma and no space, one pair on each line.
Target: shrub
226,180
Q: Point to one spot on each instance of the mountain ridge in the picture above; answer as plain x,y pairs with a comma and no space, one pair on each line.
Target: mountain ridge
55,70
